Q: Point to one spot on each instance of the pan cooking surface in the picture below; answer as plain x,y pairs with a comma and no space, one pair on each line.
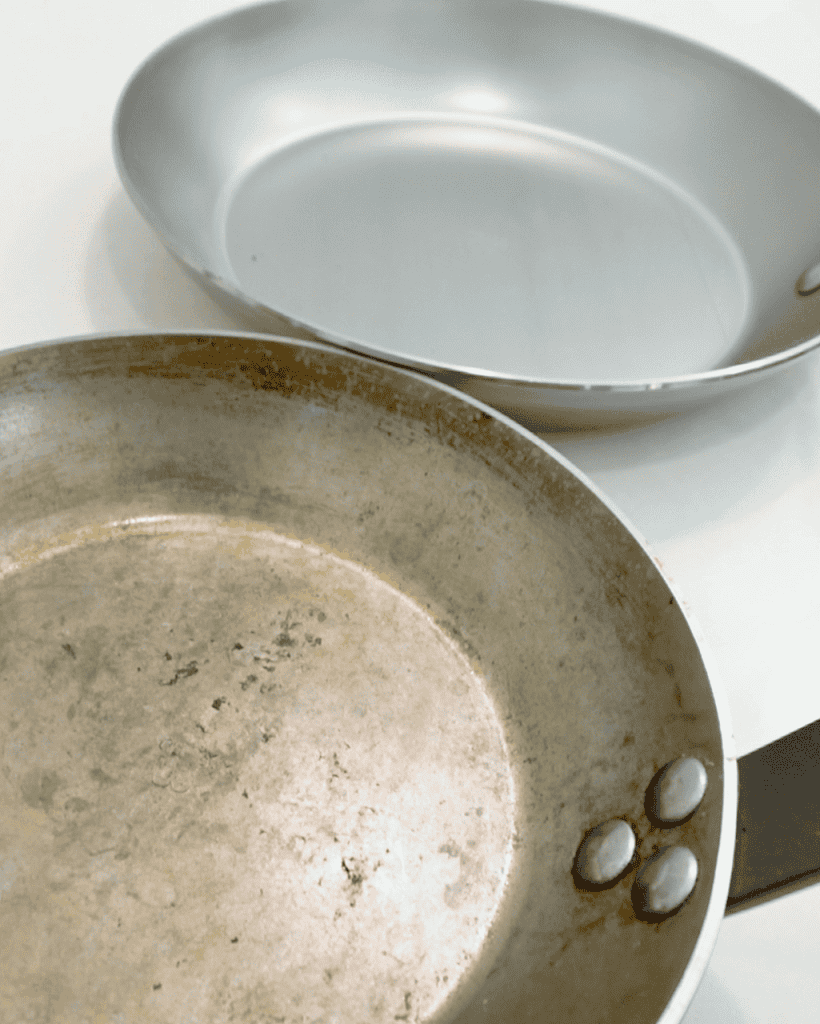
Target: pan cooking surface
224,748
485,245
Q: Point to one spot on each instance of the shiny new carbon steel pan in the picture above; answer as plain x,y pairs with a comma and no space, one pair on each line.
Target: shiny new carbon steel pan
567,215
315,676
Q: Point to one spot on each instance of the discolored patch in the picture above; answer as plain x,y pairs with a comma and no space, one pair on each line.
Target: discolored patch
277,755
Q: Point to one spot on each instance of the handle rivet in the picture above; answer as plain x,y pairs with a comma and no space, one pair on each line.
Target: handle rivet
605,852
679,790
666,880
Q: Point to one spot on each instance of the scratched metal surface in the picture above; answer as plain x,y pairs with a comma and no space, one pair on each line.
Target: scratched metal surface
315,678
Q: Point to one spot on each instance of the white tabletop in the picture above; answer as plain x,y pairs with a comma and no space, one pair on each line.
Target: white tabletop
727,497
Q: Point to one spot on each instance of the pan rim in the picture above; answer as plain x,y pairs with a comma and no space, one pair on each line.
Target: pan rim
707,936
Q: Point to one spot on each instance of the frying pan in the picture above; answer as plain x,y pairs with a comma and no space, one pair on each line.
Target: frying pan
570,216
319,681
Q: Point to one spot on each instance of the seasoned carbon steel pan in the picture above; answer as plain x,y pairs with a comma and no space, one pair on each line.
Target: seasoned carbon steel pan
568,215
319,682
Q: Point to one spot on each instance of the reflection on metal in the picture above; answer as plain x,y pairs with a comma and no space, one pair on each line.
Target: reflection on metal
481,100
519,195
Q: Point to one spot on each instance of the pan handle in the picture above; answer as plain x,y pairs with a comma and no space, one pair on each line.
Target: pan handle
778,819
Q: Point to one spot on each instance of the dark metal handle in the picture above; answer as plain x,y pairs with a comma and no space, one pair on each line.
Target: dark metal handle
778,819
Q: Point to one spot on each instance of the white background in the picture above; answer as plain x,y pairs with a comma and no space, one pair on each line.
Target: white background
728,497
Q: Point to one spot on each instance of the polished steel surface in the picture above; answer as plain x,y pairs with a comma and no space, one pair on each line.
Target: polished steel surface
314,672
569,216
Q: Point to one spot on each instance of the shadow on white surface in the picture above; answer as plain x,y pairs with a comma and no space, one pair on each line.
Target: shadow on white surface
669,477
131,280
714,1004
713,463
727,497
43,246
764,966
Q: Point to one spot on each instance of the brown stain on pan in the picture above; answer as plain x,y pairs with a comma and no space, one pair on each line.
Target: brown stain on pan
342,807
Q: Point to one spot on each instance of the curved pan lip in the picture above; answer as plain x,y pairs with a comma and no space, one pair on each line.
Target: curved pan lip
736,372
699,958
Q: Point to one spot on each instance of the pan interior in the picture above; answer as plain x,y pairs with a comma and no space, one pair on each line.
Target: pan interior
481,244
222,749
